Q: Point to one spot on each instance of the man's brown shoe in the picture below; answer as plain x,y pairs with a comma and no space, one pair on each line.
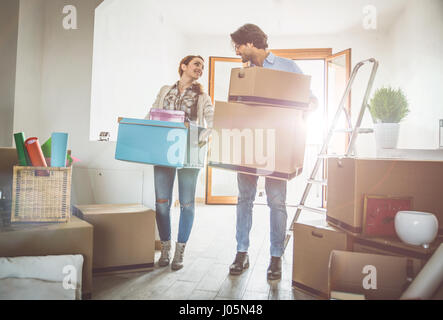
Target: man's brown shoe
240,263
274,269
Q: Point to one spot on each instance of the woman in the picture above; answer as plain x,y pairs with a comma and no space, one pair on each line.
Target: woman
186,95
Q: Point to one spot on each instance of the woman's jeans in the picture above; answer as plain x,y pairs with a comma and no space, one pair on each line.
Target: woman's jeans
164,182
276,197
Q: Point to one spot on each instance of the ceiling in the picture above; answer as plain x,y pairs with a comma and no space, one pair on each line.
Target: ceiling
275,17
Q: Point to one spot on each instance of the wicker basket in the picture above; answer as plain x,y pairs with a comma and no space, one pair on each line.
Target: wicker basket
41,194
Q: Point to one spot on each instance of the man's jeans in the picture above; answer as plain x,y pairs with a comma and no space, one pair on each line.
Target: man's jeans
164,181
276,197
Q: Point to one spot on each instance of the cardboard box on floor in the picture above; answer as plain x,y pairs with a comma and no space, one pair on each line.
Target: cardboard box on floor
260,140
41,239
377,277
349,179
313,243
257,85
124,236
438,295
8,158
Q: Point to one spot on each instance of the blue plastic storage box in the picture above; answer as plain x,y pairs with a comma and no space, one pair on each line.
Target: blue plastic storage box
162,143
151,141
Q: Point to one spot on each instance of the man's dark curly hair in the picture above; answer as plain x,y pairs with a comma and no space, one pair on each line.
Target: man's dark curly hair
250,33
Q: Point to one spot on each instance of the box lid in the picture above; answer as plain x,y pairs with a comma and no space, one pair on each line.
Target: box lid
95,209
315,220
154,123
381,159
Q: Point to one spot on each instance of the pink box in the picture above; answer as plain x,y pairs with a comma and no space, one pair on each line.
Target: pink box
167,115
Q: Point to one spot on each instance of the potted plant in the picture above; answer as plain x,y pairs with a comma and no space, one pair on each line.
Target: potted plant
388,107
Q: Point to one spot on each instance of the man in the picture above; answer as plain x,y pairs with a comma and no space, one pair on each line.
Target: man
251,44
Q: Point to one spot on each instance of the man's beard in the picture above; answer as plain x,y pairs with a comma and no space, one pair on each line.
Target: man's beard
245,59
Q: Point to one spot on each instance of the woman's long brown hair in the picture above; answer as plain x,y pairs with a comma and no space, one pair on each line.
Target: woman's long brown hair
196,87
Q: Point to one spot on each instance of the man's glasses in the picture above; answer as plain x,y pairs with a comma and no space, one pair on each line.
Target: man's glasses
237,46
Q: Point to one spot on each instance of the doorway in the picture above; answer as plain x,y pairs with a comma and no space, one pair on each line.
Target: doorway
221,185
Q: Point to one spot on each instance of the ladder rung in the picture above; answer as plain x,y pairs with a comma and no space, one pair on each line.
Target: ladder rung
318,210
327,156
322,182
360,130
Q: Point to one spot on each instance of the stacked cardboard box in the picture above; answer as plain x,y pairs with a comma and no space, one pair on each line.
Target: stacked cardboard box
350,182
262,130
8,158
124,236
375,276
314,240
316,272
350,179
41,239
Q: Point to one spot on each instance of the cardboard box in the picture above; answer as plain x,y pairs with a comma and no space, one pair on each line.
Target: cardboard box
8,158
161,143
73,237
124,236
313,243
350,179
259,140
393,247
377,277
257,85
438,295
337,295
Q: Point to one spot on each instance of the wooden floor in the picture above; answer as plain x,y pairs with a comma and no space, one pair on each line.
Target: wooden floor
205,276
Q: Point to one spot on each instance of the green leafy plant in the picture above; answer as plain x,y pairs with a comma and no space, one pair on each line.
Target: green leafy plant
388,105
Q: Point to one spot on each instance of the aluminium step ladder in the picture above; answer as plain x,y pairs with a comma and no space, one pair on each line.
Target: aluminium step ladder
350,149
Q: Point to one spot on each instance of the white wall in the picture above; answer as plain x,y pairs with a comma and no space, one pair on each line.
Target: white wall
416,51
135,53
9,11
29,68
365,44
53,93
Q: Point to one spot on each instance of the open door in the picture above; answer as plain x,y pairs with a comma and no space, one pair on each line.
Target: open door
337,71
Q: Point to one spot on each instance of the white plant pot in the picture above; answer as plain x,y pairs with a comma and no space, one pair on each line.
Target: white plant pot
415,227
386,135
